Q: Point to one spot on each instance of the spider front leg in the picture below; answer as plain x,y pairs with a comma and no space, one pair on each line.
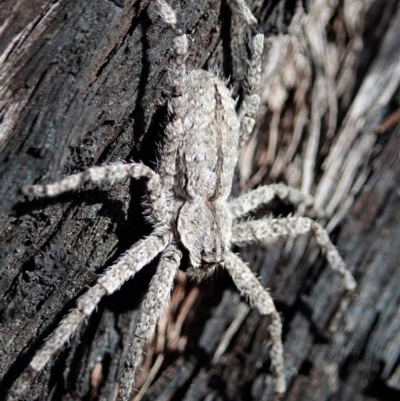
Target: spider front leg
259,230
124,269
258,296
153,306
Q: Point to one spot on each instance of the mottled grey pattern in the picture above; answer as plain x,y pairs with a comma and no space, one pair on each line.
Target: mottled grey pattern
187,203
258,296
154,304
259,230
262,195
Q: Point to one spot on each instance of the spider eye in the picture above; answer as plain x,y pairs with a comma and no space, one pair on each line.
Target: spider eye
214,250
223,249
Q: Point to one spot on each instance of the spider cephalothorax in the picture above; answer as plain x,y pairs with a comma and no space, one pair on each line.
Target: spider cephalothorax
189,207
207,246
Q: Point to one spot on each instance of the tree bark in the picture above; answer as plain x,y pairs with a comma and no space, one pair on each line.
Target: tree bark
83,84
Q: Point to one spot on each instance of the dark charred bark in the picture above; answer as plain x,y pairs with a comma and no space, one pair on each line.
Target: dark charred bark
84,83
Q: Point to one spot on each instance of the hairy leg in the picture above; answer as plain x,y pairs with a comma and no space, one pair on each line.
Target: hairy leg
153,306
259,230
112,172
174,133
258,296
125,268
257,197
251,100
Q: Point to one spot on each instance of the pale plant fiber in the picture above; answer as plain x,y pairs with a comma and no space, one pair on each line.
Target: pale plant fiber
188,205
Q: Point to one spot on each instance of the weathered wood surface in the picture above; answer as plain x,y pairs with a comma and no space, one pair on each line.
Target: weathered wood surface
84,83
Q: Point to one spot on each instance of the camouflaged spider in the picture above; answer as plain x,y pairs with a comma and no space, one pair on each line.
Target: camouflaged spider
189,208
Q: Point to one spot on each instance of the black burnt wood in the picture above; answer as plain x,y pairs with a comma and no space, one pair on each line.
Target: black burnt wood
87,86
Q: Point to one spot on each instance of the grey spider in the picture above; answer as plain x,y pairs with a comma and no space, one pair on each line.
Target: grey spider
189,208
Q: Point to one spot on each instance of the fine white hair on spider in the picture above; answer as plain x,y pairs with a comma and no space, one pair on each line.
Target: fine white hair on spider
187,203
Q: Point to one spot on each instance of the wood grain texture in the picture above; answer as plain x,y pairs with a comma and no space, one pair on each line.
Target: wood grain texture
84,84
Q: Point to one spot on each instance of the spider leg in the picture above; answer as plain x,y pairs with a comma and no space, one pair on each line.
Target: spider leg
249,286
251,100
180,48
262,195
174,132
112,172
153,306
258,230
124,269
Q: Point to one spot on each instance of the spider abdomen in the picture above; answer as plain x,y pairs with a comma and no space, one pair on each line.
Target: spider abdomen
207,157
